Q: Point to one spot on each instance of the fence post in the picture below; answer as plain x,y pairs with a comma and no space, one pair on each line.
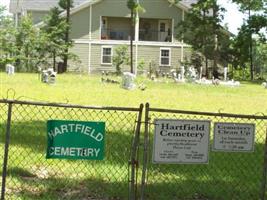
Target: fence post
133,160
145,157
263,183
4,173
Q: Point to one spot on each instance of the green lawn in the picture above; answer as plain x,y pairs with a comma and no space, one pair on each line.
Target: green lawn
235,176
88,90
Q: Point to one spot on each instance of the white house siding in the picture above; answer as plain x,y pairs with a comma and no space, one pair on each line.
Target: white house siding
96,65
82,50
152,53
80,24
110,8
161,9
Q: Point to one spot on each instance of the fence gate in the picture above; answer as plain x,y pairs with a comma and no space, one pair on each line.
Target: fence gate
27,174
232,172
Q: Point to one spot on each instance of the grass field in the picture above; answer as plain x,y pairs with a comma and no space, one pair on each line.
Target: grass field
235,176
88,90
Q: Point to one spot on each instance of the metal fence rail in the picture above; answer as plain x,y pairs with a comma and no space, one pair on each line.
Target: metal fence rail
29,175
228,175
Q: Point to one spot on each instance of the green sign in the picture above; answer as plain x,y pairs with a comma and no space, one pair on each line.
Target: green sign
75,140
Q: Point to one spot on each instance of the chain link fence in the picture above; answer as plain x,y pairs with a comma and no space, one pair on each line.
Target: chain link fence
29,175
127,171
228,175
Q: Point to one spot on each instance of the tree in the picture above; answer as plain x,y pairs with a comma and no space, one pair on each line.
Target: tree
245,46
54,31
201,29
241,48
26,43
196,61
260,58
7,38
121,57
134,7
66,5
249,6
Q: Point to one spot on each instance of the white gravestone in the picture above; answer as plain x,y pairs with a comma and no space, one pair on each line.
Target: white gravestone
10,69
128,81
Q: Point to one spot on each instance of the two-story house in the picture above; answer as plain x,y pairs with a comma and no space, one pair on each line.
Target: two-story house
99,26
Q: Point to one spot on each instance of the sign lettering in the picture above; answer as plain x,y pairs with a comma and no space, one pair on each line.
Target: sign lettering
181,141
75,139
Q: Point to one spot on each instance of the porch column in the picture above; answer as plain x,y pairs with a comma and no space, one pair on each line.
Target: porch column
136,28
136,39
182,46
90,39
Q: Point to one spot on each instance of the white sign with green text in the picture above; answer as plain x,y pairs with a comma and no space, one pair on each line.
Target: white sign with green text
238,137
181,141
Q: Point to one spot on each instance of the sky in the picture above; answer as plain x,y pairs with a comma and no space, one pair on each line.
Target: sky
233,17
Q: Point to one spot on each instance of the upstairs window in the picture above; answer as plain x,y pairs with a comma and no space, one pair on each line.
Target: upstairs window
165,55
106,57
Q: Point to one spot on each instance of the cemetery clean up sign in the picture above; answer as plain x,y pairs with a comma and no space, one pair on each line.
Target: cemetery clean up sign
75,140
237,137
181,141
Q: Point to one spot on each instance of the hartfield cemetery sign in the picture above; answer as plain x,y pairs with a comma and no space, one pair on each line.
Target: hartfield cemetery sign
75,140
181,141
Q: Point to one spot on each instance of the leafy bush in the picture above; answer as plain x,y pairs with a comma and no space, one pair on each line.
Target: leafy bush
120,57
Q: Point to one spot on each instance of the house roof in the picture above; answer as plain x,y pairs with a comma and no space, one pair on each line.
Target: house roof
45,5
40,5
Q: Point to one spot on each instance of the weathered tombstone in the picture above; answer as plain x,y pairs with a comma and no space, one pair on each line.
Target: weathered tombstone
48,76
52,78
44,77
128,81
191,75
10,69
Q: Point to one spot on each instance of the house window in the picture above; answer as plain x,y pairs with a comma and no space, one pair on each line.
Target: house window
106,57
165,55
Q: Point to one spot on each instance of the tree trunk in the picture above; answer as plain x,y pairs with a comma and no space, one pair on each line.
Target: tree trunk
54,61
207,67
250,52
204,41
131,41
65,57
27,58
215,55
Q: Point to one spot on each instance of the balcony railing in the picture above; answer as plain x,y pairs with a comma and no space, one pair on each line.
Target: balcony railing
153,35
111,34
144,35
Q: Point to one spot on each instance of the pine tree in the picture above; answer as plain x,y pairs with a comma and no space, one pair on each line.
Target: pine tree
251,26
201,29
54,31
66,5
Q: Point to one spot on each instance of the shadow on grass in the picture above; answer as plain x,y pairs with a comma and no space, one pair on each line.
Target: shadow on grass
28,186
192,189
228,175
